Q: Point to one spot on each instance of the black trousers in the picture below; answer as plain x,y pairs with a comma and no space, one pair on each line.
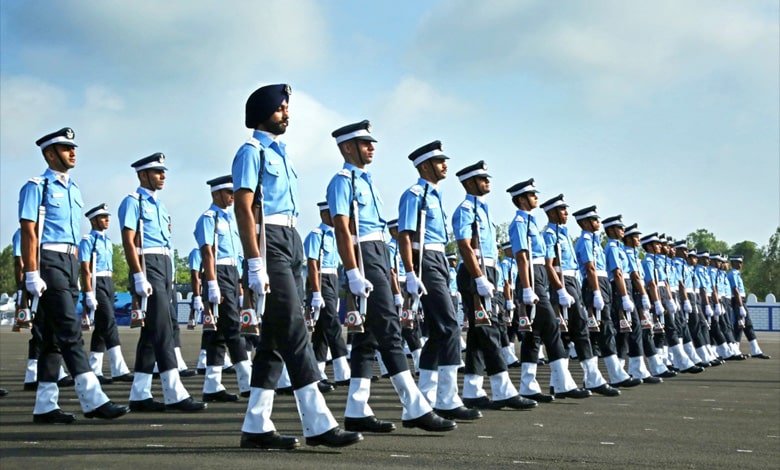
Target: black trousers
628,343
228,333
646,335
605,344
283,334
726,321
544,325
750,333
156,339
327,330
443,345
680,320
483,343
56,320
173,307
105,334
413,335
578,318
499,304
696,322
382,324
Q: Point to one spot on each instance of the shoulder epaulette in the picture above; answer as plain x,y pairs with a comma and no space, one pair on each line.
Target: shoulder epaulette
612,243
416,189
209,213
519,218
135,195
316,230
466,204
550,230
344,172
36,180
253,142
86,237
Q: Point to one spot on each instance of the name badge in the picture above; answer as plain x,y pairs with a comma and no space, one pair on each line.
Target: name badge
274,162
148,211
56,195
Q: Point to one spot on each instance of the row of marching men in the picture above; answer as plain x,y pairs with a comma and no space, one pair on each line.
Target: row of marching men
263,188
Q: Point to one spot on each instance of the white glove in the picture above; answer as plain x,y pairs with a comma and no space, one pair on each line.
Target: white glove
414,285
529,296
91,301
317,302
197,303
645,301
359,285
398,300
240,301
598,300
142,286
687,307
708,310
19,297
628,305
564,299
257,277
670,306
718,309
659,307
485,288
510,305
34,284
742,312
215,296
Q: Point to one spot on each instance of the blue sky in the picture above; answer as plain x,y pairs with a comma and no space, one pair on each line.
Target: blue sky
667,112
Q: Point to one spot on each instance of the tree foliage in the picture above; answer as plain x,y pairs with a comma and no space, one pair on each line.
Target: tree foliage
7,281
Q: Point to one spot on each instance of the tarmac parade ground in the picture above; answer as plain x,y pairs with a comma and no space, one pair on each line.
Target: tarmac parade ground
726,417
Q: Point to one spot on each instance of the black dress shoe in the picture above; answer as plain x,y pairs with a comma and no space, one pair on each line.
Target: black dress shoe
576,393
221,396
202,371
342,383
187,405
105,380
336,437
123,378
540,397
66,382
375,378
605,390
325,387
30,386
229,370
245,394
108,410
666,375
481,403
541,362
692,370
515,403
652,380
368,424
703,364
430,422
268,440
629,382
54,417
761,356
460,413
284,391
385,376
3,392
514,365
717,362
736,357
147,406
187,373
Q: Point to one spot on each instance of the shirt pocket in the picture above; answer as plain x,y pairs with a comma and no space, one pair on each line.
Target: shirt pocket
363,197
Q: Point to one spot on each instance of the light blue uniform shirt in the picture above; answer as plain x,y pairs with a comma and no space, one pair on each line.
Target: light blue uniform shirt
723,283
340,194
648,268
678,268
104,251
228,241
508,268
673,275
555,233
16,243
322,237
703,276
395,260
280,180
713,273
63,207
500,280
453,280
589,250
520,229
633,260
661,268
735,281
435,218
157,220
616,258
195,260
463,218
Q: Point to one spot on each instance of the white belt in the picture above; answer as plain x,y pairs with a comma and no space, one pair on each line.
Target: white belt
566,272
430,247
156,250
690,291
281,219
60,247
329,271
371,237
227,262
601,273
490,262
103,274
626,276
674,289
537,261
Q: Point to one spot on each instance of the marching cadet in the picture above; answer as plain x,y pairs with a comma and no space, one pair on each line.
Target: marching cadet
623,307
641,298
96,252
49,217
216,234
475,235
322,259
146,233
556,235
354,202
597,293
264,180
698,324
506,276
412,336
680,277
713,308
422,249
742,315
534,265
724,291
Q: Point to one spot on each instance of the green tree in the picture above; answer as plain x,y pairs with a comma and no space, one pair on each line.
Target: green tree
703,239
7,281
767,274
182,269
121,270
751,268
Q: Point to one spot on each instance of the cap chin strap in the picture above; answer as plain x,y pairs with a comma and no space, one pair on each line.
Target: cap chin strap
357,150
